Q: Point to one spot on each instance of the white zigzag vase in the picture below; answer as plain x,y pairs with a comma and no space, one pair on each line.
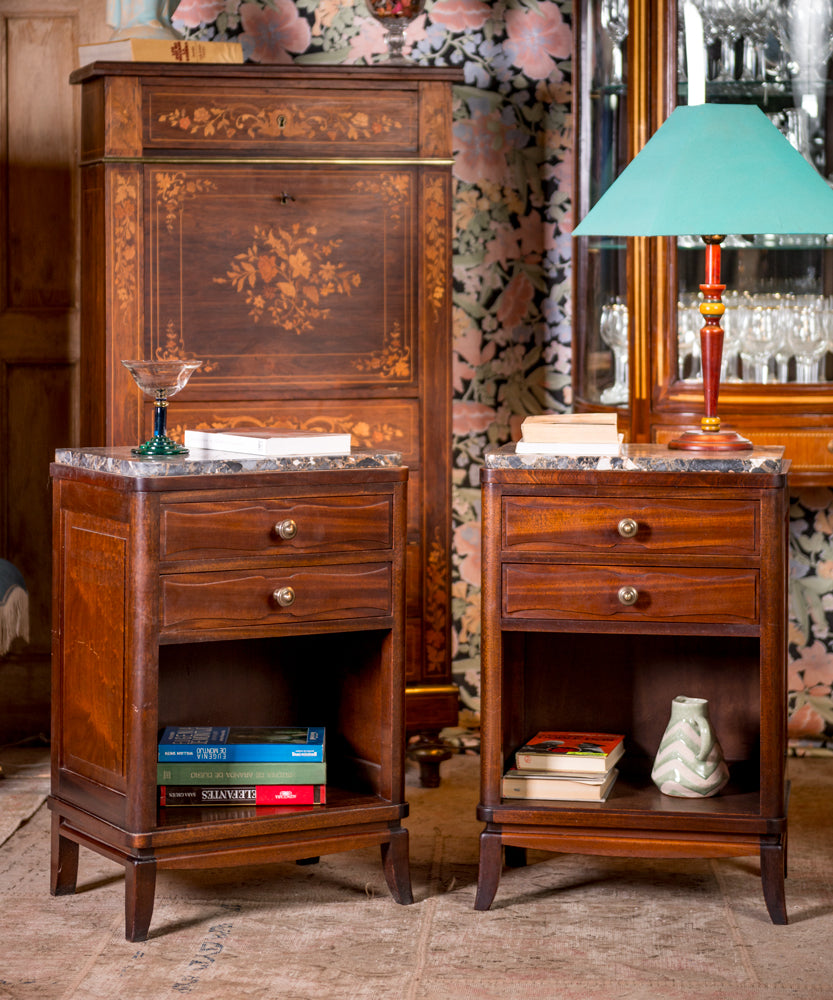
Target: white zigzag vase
689,762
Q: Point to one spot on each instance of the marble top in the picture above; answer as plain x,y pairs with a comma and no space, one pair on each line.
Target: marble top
643,458
198,462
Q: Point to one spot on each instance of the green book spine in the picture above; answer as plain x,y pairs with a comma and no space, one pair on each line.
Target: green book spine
267,773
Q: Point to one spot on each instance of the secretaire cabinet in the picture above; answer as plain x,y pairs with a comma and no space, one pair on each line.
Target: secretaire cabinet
290,226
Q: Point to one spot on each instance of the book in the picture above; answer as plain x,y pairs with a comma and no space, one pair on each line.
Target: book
600,428
570,448
175,50
241,743
517,784
570,752
256,773
235,795
269,443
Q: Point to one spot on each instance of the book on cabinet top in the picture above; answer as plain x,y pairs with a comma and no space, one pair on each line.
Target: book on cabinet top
518,784
571,752
241,743
267,442
598,428
590,449
172,50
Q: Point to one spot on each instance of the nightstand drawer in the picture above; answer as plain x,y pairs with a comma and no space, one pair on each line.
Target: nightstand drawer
327,525
644,594
602,524
309,594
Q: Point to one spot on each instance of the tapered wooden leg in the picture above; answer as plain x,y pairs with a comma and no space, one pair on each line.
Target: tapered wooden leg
488,875
140,886
64,862
397,865
773,863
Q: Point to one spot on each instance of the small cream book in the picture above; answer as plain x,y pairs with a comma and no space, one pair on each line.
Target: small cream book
173,50
270,443
551,785
564,428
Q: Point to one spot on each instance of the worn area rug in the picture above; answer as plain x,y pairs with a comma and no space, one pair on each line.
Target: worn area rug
564,927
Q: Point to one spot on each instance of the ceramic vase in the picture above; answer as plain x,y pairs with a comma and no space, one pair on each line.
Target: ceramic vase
689,762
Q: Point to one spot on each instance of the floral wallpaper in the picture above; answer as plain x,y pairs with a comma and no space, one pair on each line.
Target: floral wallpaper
512,324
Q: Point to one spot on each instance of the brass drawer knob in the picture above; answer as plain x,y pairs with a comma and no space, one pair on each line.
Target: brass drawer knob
627,527
286,529
628,595
284,597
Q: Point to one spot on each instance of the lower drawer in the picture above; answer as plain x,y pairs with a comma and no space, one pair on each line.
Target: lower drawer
273,598
644,594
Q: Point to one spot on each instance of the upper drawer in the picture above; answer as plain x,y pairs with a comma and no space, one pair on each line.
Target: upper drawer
244,528
606,524
278,121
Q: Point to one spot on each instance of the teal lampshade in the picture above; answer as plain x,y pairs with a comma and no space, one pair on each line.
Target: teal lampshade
714,169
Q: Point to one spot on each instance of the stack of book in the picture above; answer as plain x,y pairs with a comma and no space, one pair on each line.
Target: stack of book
591,434
574,766
239,765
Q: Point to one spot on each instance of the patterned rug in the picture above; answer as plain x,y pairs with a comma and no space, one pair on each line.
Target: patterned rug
565,927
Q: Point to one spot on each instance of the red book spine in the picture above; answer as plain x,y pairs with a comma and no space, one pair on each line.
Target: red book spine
235,795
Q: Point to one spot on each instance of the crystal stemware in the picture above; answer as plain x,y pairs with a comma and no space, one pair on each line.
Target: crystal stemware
613,327
395,16
161,379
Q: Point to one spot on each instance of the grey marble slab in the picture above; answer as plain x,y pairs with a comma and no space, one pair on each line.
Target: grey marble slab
197,462
643,458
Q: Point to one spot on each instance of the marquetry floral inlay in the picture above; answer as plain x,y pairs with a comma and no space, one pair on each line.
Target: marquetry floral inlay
125,260
286,273
172,190
436,258
288,121
392,361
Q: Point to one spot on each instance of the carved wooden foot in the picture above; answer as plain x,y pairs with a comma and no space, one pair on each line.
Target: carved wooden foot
140,886
397,866
64,862
773,866
488,875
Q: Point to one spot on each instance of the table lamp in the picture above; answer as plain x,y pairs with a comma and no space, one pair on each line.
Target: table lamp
711,170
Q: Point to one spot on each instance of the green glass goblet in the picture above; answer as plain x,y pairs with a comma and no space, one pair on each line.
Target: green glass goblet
161,379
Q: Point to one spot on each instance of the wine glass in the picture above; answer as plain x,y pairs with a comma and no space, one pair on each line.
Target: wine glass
614,18
161,379
395,16
613,327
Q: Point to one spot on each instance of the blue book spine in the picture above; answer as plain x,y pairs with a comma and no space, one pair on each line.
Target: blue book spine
248,753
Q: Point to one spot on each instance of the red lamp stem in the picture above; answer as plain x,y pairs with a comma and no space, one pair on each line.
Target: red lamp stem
711,335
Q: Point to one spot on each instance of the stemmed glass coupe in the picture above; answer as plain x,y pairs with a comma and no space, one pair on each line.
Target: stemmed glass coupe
395,16
161,379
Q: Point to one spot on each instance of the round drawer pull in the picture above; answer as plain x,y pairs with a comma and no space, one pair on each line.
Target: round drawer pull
627,527
284,596
286,529
628,595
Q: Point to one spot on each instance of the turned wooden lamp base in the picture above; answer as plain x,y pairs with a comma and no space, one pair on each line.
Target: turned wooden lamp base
710,437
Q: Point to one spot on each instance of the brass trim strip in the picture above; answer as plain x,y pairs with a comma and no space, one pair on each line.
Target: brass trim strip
260,160
436,689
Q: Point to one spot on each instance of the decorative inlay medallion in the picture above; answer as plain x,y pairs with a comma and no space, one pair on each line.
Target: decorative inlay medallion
173,189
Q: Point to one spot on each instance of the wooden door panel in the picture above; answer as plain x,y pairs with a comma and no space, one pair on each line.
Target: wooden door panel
284,279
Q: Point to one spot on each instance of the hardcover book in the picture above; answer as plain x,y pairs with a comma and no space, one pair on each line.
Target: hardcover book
589,448
599,428
570,752
235,795
269,443
241,743
519,784
243,773
174,50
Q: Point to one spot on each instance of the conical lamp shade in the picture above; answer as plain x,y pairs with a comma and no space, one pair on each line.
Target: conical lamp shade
714,169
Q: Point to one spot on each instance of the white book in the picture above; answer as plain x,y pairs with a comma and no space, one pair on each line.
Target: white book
270,443
598,428
548,785
589,449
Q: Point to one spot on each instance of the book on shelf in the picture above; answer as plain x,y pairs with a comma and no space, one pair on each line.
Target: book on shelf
600,428
172,50
518,784
270,443
241,743
235,795
569,752
242,773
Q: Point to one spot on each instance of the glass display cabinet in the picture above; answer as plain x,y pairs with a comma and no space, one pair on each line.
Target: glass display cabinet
636,318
